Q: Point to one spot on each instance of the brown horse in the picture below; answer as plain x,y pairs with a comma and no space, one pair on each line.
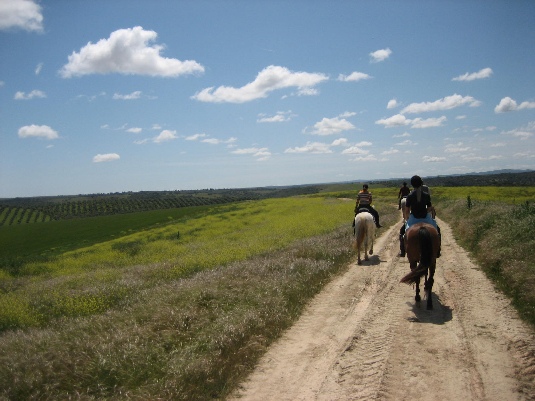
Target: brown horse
421,244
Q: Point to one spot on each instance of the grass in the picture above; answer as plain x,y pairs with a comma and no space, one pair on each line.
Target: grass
153,315
189,337
501,238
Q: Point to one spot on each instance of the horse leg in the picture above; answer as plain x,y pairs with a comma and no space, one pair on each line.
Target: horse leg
417,297
366,249
359,262
429,286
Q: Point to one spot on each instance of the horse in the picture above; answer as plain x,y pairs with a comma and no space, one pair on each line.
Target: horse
364,234
421,245
404,212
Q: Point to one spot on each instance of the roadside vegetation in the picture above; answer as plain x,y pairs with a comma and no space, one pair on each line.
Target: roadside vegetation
501,238
181,303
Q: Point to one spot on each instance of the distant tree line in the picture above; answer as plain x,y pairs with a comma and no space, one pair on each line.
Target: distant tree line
42,209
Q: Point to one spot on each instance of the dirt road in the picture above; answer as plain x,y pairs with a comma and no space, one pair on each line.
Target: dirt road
364,338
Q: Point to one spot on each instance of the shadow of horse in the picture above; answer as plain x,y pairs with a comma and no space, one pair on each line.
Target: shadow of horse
441,315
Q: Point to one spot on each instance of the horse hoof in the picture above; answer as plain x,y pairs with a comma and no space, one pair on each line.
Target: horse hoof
359,262
417,298
371,251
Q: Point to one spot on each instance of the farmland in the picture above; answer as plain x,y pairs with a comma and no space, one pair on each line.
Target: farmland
179,302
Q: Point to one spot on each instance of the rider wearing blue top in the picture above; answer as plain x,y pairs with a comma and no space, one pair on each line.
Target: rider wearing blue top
421,211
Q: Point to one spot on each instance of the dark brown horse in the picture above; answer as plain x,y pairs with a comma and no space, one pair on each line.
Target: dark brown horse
422,243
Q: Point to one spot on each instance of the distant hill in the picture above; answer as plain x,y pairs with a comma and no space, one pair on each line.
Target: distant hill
499,178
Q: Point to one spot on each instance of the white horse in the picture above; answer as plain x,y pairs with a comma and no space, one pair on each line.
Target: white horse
364,234
404,213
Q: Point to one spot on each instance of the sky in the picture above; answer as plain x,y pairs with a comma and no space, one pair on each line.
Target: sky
128,95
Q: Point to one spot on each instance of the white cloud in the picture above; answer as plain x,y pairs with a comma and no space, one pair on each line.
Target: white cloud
339,142
391,151
392,104
481,74
195,137
354,77
404,135
357,149
456,148
165,135
126,51
522,133
330,126
269,79
311,147
38,68
394,121
508,104
32,95
260,153
280,117
433,159
446,103
428,123
132,96
380,55
22,14
134,130
107,157
212,141
38,131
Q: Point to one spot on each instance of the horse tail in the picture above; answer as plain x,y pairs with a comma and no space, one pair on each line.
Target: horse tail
426,246
426,253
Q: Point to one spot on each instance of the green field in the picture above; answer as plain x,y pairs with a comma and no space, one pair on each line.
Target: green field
179,303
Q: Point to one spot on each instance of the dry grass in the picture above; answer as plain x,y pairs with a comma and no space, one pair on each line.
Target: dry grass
188,339
502,239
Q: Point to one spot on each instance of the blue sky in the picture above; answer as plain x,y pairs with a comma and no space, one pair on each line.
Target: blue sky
126,95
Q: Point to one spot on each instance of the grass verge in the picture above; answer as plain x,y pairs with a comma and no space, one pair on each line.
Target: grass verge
502,239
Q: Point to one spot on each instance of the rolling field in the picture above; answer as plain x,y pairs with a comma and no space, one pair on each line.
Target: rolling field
179,303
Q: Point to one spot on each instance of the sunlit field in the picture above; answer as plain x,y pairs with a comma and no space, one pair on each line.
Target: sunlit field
182,304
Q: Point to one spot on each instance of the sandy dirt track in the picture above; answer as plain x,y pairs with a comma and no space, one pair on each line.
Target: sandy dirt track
364,338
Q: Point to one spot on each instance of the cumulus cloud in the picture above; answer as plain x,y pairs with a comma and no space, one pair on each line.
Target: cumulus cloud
269,79
446,103
28,96
428,122
38,131
433,159
330,126
38,68
380,55
508,104
261,154
353,77
392,104
132,96
280,117
398,120
481,74
127,51
134,130
195,137
106,157
522,133
311,147
456,148
21,14
165,136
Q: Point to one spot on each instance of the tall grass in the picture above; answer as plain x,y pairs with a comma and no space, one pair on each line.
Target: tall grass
501,237
182,337
108,275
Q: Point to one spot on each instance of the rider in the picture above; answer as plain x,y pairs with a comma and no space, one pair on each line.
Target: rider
421,211
364,204
403,192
